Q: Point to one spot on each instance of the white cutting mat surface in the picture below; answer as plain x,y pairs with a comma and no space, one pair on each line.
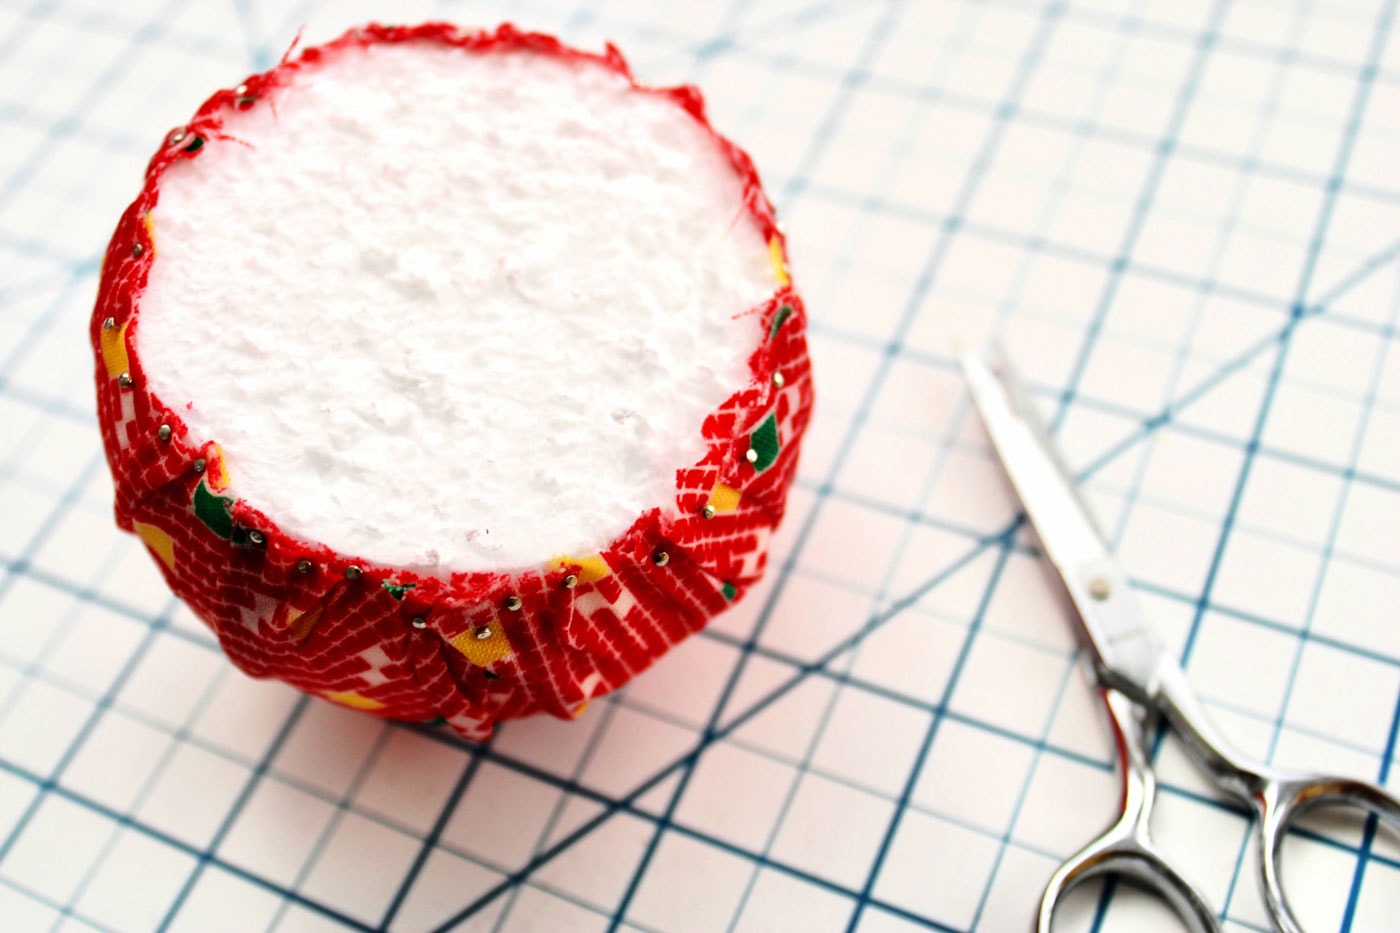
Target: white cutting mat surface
1184,216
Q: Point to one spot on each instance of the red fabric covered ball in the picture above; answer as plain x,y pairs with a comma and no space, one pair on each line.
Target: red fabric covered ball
469,648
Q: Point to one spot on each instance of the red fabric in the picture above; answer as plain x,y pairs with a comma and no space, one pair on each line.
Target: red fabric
295,610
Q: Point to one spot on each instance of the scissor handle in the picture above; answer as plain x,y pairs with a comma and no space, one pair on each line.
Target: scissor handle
1138,862
1277,797
1126,849
1283,798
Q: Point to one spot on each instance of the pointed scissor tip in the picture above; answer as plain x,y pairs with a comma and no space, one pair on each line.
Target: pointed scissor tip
979,365
969,361
971,358
981,382
968,356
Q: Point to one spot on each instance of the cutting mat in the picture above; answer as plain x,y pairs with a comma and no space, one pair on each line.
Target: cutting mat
1183,217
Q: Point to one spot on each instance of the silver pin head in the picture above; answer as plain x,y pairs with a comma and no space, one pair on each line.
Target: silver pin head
177,137
200,465
418,622
241,90
660,558
305,566
256,536
136,250
1099,588
778,380
352,572
708,511
163,432
571,581
751,455
513,603
484,633
109,323
125,380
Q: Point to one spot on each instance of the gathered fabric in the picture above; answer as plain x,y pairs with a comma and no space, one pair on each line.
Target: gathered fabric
469,649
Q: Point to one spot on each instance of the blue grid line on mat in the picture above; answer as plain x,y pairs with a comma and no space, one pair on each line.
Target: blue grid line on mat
849,81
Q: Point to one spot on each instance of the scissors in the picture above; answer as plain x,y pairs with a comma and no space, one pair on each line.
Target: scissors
1141,685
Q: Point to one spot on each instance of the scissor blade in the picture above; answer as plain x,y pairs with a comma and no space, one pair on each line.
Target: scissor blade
1124,652
1050,497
